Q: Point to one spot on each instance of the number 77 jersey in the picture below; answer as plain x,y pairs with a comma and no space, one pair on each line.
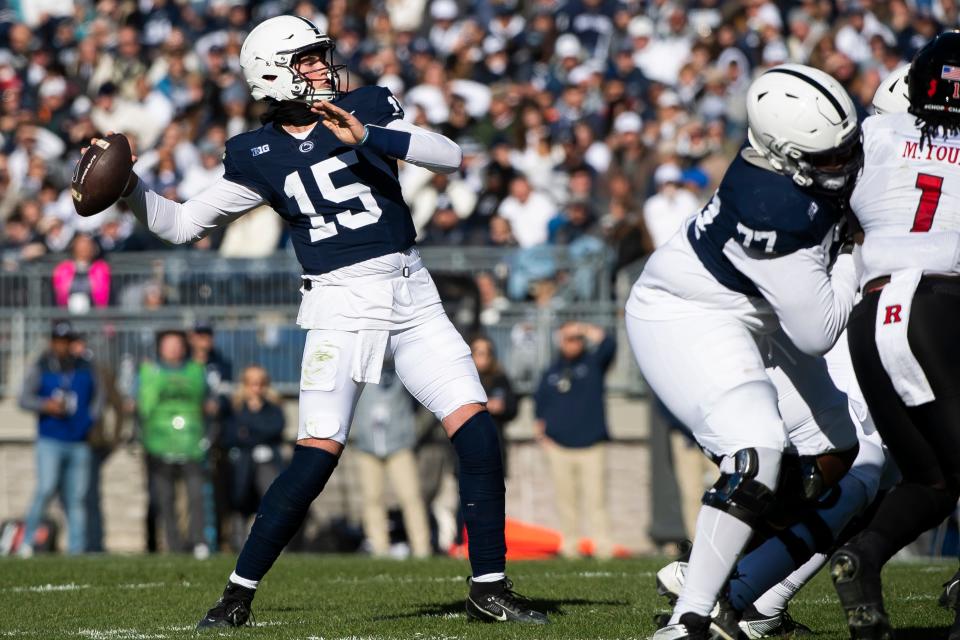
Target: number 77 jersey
342,203
907,198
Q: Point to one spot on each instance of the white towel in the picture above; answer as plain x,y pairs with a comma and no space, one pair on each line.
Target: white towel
368,355
893,319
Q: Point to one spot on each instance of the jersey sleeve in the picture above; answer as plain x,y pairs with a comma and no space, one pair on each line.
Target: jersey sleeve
811,302
381,107
240,170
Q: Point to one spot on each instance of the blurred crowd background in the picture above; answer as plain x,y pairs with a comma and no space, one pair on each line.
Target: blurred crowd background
586,123
590,128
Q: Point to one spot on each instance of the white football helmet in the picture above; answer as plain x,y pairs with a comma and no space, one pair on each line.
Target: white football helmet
804,124
269,53
893,95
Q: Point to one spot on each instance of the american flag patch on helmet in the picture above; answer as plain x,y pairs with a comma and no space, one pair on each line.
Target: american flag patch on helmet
950,73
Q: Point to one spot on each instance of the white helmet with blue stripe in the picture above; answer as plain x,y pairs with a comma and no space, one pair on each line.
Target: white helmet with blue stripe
269,55
803,122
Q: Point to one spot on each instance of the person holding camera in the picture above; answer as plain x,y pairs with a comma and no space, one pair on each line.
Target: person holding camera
62,390
571,424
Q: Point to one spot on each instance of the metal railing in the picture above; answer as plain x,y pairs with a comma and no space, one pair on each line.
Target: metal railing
523,335
203,279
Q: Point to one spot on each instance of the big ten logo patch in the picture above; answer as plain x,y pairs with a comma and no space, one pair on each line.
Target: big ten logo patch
892,314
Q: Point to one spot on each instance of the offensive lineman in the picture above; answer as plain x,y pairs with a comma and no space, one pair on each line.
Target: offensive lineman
902,334
802,550
753,263
364,291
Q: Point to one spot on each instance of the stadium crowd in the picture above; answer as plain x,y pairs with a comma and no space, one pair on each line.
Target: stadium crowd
586,123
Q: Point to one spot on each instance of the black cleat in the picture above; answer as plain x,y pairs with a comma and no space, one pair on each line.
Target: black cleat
858,585
757,625
725,621
951,590
690,627
498,602
231,610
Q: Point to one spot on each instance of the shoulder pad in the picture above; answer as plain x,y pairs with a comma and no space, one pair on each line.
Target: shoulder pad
774,214
372,105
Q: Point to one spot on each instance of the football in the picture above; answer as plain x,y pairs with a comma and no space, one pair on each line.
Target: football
101,174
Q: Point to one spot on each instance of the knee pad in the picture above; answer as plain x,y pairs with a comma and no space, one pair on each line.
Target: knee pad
739,493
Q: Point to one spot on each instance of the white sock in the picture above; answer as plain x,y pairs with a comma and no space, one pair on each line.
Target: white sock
720,539
774,601
243,582
490,577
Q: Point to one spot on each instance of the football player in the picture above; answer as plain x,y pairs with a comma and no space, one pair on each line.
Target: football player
902,334
798,551
326,161
755,263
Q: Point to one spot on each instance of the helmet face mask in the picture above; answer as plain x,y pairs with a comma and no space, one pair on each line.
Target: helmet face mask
270,56
835,170
303,84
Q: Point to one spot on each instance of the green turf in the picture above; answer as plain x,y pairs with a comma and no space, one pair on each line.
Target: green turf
333,597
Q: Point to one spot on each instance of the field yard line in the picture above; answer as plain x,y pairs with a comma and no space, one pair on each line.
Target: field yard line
142,585
48,588
119,634
831,599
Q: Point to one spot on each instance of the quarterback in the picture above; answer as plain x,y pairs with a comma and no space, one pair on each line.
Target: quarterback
326,161
730,318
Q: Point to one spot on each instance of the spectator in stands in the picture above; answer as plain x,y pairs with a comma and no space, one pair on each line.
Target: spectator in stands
252,437
83,282
571,424
170,403
445,227
666,211
501,400
383,436
528,212
217,367
20,243
63,391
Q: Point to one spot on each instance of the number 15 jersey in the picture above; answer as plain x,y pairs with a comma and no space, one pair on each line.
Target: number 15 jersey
342,203
907,198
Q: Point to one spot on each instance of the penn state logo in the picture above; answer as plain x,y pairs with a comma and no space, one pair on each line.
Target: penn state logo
306,146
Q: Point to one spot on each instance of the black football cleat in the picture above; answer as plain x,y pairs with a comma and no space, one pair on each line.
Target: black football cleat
857,583
951,590
757,625
498,602
690,627
231,610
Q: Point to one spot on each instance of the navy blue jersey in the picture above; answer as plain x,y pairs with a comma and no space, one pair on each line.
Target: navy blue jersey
763,211
342,202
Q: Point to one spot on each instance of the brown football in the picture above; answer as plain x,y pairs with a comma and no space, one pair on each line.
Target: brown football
101,174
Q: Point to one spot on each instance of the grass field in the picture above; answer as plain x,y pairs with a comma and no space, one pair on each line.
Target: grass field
340,597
